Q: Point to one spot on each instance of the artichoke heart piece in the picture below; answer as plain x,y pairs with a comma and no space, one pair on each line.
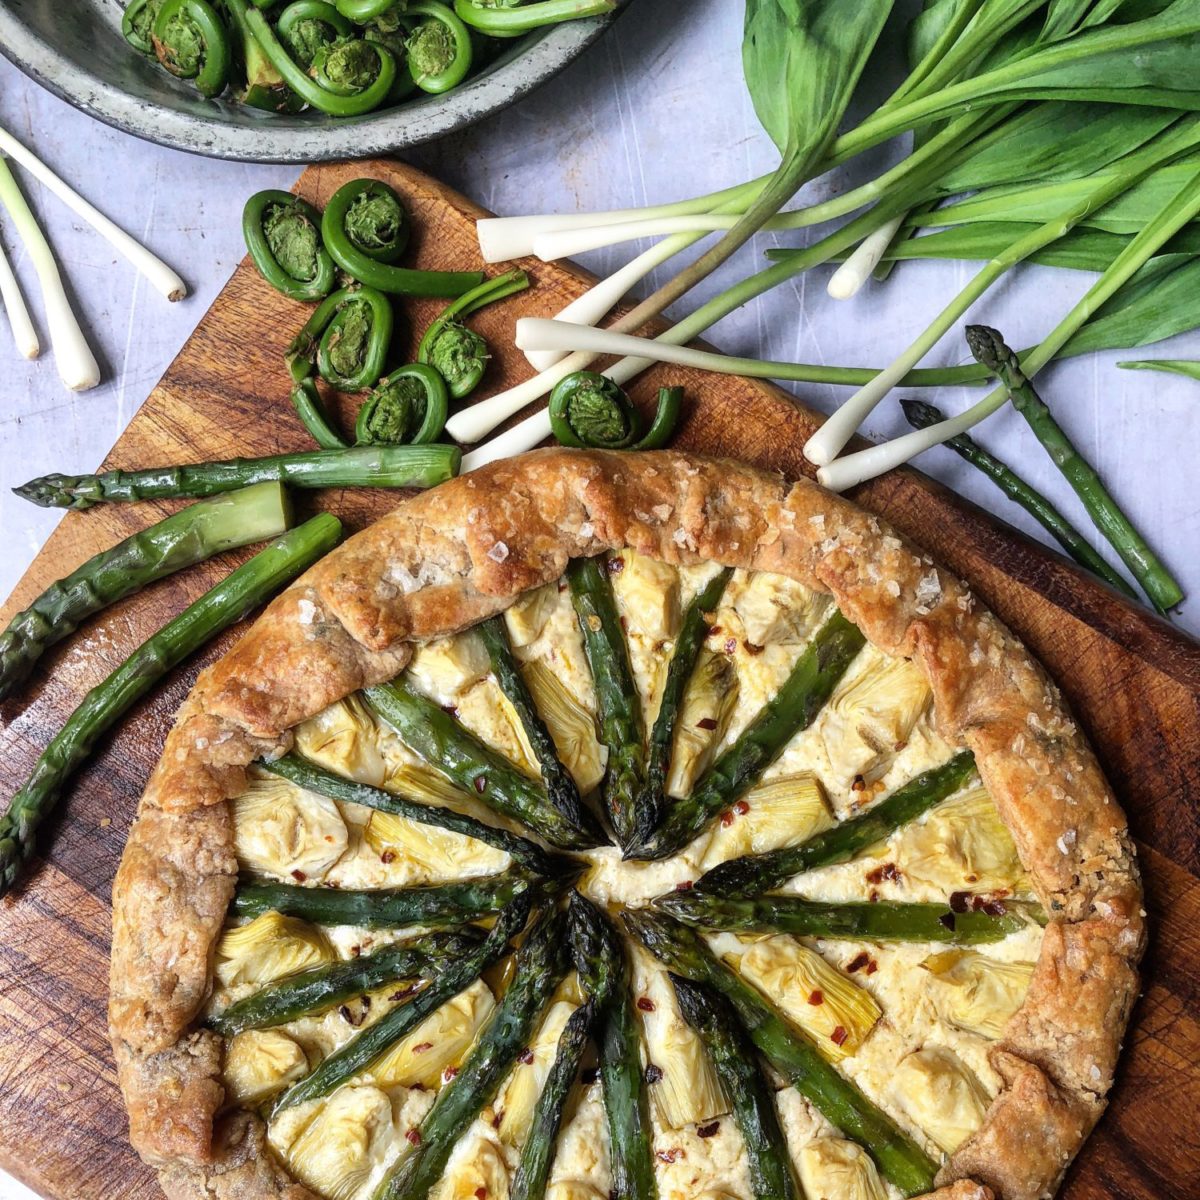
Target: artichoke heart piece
334,1152
834,1011
345,738
437,854
941,1094
784,811
268,948
870,717
439,1042
774,610
520,1091
962,845
415,781
689,1091
703,720
647,593
834,1167
480,1170
279,828
261,1062
572,727
446,668
574,1189
527,617
976,993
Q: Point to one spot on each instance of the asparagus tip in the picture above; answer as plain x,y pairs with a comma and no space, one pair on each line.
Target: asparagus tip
921,414
989,348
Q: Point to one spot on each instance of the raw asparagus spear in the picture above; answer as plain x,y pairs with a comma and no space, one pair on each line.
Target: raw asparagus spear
621,726
190,536
736,1063
1146,567
538,1155
689,643
371,1043
899,1159
854,921
560,787
384,908
757,873
540,966
315,779
358,466
321,988
793,708
603,968
921,415
434,734
233,598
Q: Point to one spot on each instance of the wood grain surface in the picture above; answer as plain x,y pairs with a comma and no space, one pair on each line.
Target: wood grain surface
1132,679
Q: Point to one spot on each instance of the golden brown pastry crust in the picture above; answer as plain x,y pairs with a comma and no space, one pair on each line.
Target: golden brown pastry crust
451,557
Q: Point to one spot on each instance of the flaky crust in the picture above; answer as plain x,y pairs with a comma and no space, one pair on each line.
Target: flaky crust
451,557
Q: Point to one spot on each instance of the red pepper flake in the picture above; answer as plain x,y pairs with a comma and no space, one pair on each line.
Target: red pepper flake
960,902
452,709
872,967
859,784
653,1073
888,872
645,1004
414,1136
589,1075
481,1193
355,951
421,1047
615,565
667,1156
752,648
299,876
839,1036
684,885
480,784
526,1056
816,997
707,1131
741,808
388,856
858,962
624,624
947,919
993,908
727,818
707,723
730,645
714,630
404,992
971,878
449,1073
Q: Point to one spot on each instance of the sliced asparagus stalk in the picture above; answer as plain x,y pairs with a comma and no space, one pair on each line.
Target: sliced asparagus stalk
233,598
560,787
529,1183
603,968
757,873
358,466
736,1062
315,779
445,744
320,988
793,708
621,726
190,536
689,643
372,1043
855,921
540,966
384,908
899,1159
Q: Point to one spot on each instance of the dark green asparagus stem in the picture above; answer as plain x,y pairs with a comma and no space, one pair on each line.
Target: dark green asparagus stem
1146,567
376,1040
541,965
187,537
320,988
560,787
308,775
358,466
692,632
529,1183
621,726
384,908
856,921
793,708
921,415
233,598
604,971
757,873
900,1160
736,1063
437,737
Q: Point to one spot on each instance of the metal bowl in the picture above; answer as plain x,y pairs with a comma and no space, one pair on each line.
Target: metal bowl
77,51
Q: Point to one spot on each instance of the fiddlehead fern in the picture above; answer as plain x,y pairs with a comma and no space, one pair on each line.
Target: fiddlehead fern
283,236
439,48
137,25
306,26
346,339
191,41
590,410
409,405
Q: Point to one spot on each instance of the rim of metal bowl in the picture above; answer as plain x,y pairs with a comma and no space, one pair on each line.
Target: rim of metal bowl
309,138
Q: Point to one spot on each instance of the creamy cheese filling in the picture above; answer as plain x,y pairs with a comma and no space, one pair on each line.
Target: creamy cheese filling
909,1023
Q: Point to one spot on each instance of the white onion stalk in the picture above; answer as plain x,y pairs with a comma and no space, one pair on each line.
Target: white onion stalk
853,469
849,278
77,366
23,331
151,266
566,243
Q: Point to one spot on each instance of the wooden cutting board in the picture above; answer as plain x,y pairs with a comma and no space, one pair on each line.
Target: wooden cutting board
1133,680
